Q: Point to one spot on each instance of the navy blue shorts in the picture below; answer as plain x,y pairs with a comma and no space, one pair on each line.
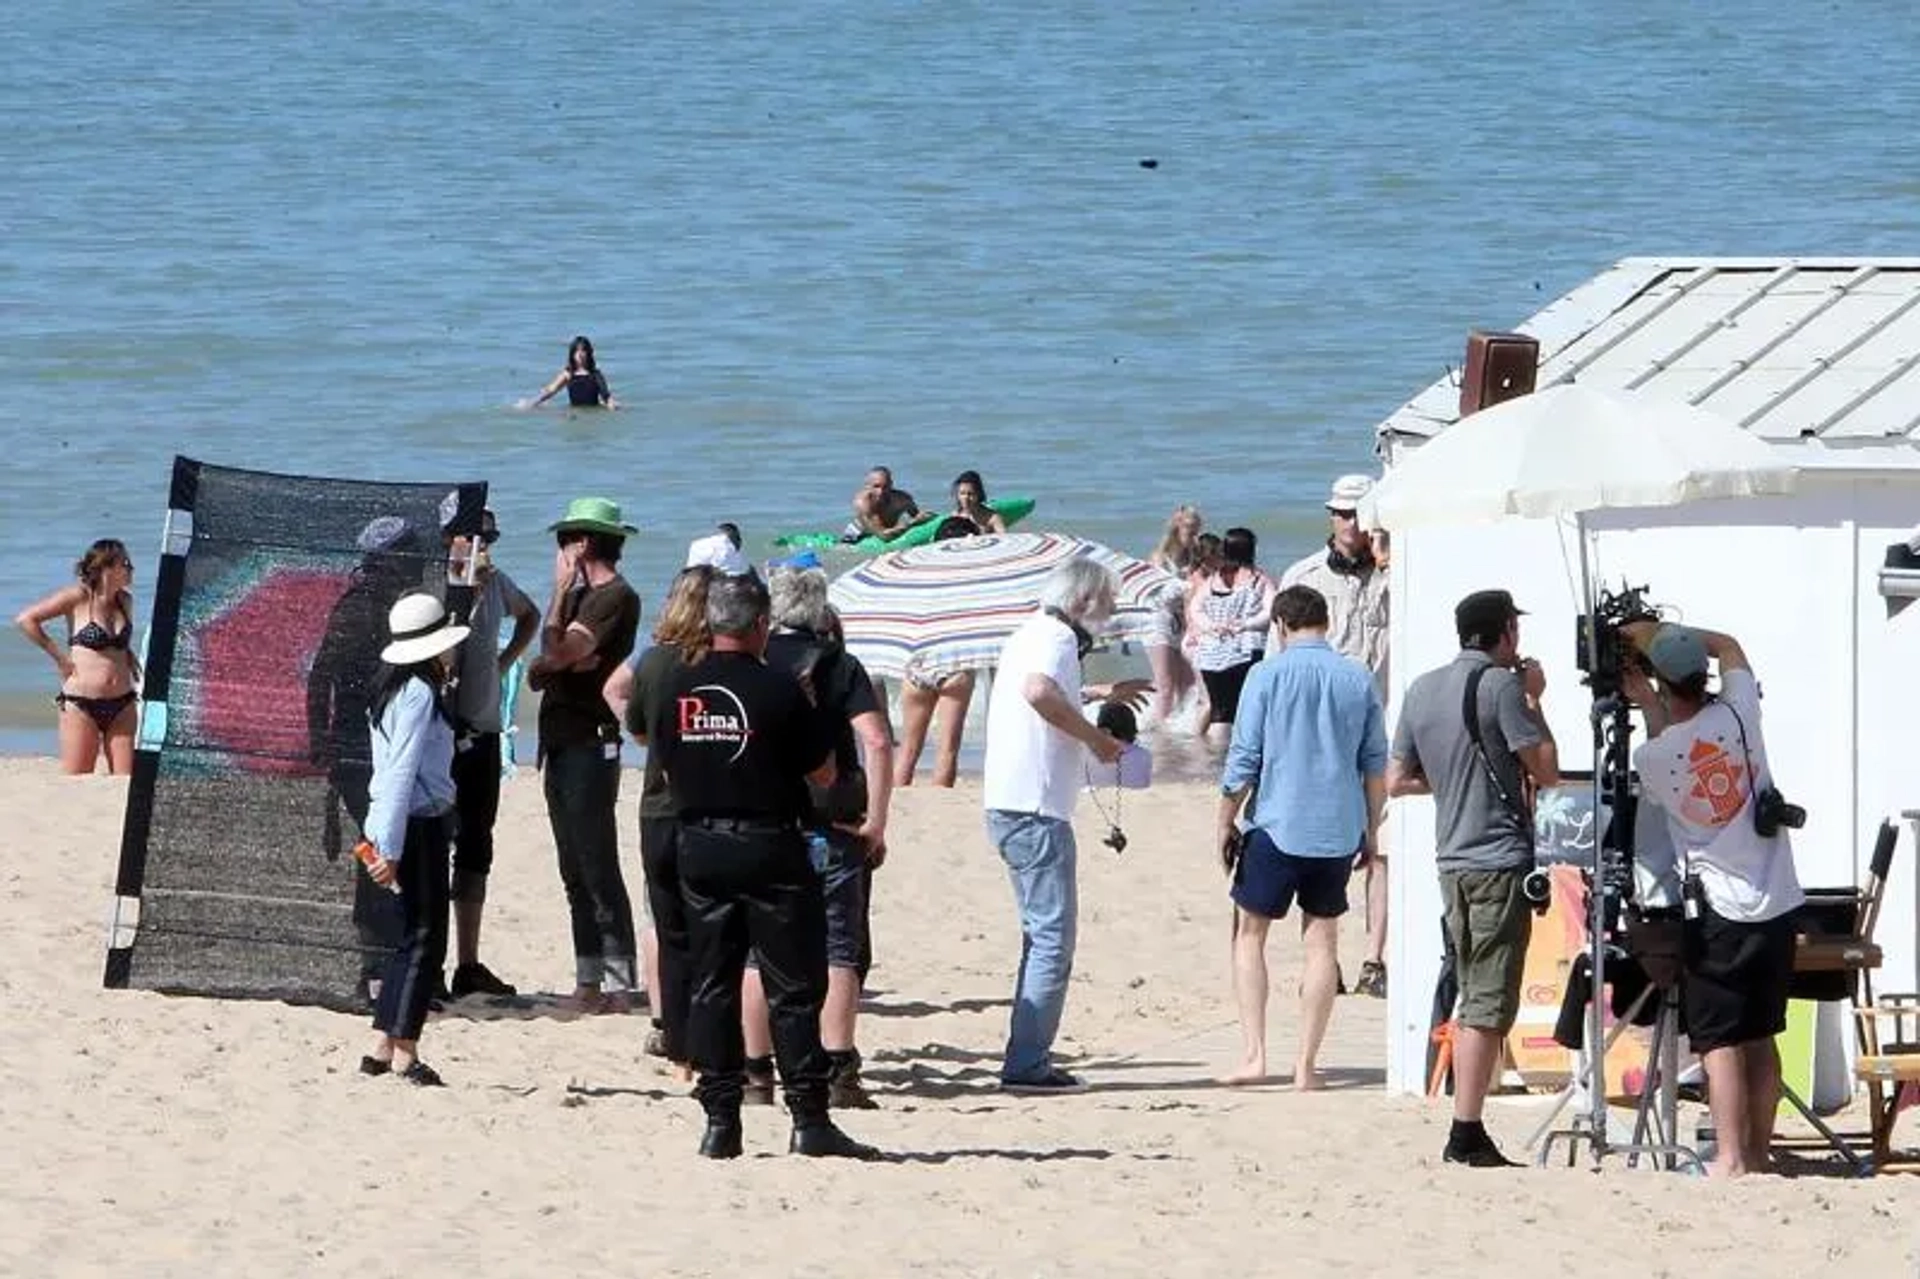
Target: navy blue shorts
841,862
1267,881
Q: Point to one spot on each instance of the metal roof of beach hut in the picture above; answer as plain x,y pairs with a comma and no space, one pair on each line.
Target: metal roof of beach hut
1816,349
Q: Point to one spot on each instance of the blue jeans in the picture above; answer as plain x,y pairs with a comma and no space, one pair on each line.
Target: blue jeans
1040,856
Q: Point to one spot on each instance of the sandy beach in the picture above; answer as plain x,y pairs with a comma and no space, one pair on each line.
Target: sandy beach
152,1135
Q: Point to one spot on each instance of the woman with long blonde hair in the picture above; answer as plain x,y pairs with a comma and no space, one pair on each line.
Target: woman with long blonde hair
1179,554
638,693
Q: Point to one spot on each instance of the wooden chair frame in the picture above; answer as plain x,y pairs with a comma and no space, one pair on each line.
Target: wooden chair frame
1889,1066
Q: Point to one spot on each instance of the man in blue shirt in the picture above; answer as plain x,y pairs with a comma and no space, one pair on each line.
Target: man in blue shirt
1310,742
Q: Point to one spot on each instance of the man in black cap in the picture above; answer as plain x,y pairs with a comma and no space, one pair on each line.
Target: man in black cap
739,741
1472,735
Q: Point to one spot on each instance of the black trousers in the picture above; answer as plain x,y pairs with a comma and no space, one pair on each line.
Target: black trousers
407,980
582,785
660,863
754,890
476,799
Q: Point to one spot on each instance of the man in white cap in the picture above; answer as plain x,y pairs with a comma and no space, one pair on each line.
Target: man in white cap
718,552
1355,588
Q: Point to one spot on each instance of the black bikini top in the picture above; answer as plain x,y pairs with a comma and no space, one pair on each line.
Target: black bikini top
100,639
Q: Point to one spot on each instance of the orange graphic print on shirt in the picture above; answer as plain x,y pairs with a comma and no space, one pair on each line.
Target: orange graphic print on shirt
1717,794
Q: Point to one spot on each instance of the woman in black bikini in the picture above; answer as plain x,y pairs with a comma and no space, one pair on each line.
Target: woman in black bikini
98,706
582,380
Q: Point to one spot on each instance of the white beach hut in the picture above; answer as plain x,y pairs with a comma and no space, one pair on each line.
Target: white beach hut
1820,357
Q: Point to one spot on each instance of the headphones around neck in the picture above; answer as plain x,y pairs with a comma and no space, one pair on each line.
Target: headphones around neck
1081,639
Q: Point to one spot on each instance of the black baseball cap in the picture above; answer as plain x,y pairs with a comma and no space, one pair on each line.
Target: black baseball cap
1484,614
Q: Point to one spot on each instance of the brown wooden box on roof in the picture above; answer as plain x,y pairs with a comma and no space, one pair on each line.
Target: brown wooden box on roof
1500,366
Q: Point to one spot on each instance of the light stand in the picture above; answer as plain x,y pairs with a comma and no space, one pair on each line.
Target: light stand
1609,883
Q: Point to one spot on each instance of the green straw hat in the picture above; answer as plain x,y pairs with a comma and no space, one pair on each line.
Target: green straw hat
592,515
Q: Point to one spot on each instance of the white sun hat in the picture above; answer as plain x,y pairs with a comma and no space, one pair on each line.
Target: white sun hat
420,629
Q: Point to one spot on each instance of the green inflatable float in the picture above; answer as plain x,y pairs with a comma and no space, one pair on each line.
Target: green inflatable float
1010,509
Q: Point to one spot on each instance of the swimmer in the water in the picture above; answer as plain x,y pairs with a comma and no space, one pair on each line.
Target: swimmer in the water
970,504
584,383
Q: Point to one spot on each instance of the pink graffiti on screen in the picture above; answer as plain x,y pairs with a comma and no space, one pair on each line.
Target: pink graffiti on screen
255,659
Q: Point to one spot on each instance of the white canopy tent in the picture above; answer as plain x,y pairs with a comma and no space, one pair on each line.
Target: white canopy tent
1798,576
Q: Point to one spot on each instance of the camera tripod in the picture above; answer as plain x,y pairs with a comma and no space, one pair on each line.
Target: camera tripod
1608,883
1656,1125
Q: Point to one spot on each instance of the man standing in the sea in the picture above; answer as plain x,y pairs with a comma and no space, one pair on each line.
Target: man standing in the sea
880,509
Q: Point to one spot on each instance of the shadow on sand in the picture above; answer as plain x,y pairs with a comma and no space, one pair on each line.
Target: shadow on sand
920,1008
540,1006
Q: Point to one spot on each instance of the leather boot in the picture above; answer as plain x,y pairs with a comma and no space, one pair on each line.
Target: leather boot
845,1091
814,1134
721,1140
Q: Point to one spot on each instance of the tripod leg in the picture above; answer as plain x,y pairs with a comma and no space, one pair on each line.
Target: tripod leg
1646,1115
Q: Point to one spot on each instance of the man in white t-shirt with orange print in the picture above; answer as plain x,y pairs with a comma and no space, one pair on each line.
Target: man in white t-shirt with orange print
1704,765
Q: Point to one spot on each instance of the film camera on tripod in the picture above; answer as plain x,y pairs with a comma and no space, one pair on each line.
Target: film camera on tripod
1701,884
1626,942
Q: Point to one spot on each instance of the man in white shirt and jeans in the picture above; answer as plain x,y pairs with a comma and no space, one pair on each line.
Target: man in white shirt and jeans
1704,765
1038,739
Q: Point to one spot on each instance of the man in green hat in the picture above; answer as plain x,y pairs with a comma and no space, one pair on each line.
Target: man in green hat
587,632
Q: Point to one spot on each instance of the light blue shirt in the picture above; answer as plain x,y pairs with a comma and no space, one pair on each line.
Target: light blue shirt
412,767
1308,730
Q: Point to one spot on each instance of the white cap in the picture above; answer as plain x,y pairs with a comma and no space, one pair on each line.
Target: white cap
719,554
1347,491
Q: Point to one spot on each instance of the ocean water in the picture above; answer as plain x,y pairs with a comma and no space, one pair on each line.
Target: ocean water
346,239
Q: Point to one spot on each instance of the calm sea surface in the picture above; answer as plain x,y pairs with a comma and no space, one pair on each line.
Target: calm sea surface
806,238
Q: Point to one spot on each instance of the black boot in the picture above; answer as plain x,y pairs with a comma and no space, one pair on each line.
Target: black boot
814,1134
719,1096
821,1139
721,1140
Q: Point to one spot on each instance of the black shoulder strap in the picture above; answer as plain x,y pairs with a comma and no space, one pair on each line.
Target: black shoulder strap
1470,710
1746,751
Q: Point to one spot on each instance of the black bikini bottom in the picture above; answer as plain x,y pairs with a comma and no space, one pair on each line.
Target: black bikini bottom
103,710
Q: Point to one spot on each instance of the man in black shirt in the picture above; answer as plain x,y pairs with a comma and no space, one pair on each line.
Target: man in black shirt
847,834
587,634
740,741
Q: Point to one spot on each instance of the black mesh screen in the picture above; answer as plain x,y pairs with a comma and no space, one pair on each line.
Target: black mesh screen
251,780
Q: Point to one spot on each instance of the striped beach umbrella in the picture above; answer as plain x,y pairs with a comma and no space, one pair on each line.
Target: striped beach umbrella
949,606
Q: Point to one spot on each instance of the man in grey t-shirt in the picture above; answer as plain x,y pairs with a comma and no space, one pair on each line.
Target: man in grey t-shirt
480,663
1483,829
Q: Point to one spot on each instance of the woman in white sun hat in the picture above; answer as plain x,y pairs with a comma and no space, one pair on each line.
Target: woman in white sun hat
408,823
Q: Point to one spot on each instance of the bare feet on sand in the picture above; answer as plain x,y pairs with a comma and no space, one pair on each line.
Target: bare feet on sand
1306,1079
1251,1071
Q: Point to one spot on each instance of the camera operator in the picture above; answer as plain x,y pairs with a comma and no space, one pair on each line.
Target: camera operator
1471,734
1704,765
